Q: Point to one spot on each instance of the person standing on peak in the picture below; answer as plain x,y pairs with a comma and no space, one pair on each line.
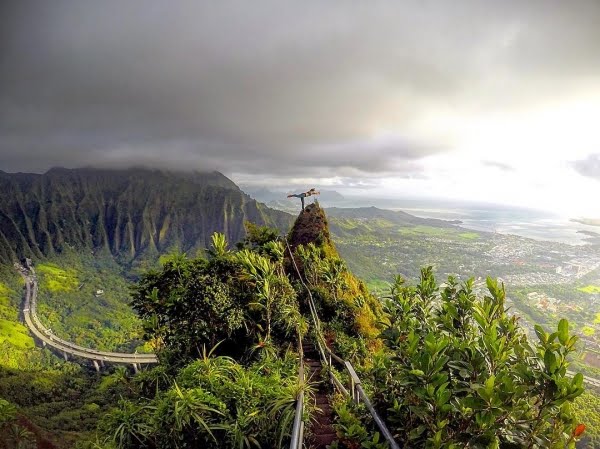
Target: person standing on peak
303,195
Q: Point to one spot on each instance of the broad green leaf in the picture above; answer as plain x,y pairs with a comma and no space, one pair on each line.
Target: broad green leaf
563,331
541,334
550,361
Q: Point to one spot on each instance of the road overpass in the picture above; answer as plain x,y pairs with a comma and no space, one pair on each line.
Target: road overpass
66,348
99,358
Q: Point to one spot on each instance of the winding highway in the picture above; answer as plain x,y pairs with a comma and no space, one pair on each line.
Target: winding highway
100,357
66,348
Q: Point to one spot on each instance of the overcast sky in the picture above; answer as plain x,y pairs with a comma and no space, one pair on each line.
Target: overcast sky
488,100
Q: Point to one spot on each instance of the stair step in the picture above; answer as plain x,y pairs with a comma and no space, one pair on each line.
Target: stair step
321,428
322,441
326,435
325,409
323,422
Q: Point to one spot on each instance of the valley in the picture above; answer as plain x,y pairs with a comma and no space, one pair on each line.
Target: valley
545,281
85,294
299,225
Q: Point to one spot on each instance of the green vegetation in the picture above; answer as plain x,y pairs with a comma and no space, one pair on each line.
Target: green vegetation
50,401
56,279
354,426
378,287
445,366
461,373
574,305
428,231
382,251
343,300
243,305
132,215
242,394
13,434
379,244
587,410
213,402
8,311
15,334
16,346
590,289
85,300
63,401
242,299
453,373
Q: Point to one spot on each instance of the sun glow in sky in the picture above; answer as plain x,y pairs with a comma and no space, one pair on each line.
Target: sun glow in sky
526,159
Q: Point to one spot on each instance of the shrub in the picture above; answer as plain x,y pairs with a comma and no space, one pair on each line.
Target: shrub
462,373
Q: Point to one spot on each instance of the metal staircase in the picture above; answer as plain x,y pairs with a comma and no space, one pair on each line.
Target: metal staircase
314,357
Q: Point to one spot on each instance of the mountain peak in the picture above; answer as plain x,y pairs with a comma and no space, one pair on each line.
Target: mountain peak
199,177
311,226
127,213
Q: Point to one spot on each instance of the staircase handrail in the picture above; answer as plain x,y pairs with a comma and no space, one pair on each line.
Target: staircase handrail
356,391
297,438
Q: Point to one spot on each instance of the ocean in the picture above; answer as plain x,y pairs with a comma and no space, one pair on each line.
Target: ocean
529,223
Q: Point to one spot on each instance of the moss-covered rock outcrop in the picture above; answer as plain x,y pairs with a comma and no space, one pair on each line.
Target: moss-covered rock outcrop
343,299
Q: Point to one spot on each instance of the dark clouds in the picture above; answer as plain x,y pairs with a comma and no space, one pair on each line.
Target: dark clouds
273,87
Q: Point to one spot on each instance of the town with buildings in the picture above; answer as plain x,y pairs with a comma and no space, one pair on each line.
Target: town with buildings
545,281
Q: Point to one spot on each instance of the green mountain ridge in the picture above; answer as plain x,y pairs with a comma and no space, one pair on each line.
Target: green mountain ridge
348,222
425,344
125,213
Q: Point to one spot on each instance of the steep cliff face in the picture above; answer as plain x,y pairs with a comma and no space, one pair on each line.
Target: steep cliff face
127,213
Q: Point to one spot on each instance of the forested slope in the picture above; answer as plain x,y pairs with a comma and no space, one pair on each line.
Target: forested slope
126,213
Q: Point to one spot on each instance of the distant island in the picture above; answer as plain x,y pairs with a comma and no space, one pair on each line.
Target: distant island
587,221
589,233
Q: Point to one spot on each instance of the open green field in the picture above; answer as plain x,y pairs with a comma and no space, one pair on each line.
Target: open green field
588,331
7,311
378,286
4,290
85,300
590,289
469,235
431,231
16,334
424,230
57,279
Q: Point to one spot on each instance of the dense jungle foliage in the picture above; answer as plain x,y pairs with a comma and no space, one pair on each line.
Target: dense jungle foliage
444,368
459,372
